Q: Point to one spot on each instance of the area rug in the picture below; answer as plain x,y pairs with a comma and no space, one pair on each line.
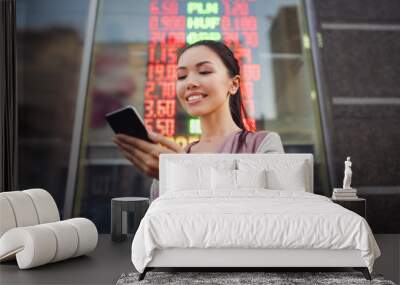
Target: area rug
269,278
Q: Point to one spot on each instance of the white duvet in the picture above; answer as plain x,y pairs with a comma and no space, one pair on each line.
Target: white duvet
252,218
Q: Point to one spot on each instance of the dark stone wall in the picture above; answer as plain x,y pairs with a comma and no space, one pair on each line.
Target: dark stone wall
361,61
382,11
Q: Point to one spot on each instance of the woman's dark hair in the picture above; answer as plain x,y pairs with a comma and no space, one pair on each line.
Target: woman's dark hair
237,109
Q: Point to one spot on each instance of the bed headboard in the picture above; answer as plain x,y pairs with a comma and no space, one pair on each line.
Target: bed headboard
282,164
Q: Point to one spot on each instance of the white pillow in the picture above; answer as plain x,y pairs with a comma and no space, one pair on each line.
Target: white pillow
293,179
236,179
290,174
188,177
251,178
223,179
280,175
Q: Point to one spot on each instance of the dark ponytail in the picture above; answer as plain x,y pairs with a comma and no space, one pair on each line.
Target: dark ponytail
236,107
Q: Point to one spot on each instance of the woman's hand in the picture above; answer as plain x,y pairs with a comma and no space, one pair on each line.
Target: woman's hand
144,155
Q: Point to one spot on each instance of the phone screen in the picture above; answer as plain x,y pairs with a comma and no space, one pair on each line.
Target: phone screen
128,121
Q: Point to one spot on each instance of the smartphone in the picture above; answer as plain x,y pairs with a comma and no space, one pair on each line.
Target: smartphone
128,121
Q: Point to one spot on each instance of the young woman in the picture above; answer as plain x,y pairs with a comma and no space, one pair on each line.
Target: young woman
207,86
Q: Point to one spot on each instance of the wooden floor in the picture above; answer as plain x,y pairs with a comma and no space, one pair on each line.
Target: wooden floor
110,259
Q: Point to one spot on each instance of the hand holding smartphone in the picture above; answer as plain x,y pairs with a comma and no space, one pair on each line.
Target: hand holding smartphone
143,155
128,121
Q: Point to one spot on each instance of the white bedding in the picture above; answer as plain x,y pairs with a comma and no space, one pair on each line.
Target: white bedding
251,218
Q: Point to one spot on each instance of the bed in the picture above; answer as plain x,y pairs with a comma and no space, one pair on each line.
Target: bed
247,210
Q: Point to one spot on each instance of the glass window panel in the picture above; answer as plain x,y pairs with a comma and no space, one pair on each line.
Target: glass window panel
134,57
50,37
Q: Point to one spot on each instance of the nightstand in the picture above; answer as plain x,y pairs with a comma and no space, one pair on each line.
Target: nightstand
119,215
357,205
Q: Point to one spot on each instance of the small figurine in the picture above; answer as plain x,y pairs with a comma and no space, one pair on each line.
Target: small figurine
347,174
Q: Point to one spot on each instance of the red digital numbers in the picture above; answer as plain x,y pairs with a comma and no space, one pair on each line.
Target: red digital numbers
165,108
167,34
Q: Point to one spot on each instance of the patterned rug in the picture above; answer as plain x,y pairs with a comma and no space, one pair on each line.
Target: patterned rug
269,278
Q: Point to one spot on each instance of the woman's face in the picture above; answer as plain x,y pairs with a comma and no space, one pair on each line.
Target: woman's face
203,81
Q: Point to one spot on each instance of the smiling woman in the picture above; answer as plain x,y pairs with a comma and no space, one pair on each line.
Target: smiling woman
208,87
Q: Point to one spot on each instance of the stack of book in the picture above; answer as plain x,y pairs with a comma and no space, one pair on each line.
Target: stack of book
343,194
